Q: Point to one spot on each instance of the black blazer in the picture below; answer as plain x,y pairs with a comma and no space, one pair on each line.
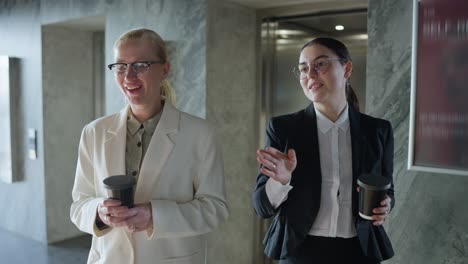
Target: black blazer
372,152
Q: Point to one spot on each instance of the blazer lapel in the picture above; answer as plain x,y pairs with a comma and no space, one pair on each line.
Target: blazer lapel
114,151
357,146
114,145
310,137
307,178
158,152
303,203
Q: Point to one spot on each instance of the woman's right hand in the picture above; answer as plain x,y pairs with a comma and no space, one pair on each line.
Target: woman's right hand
111,212
277,165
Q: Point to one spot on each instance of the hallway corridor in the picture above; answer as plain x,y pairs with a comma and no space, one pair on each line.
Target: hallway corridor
15,249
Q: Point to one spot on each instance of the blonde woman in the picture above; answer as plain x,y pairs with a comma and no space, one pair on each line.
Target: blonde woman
173,156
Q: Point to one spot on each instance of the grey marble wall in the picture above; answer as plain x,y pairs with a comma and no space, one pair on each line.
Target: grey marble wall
181,22
428,224
231,105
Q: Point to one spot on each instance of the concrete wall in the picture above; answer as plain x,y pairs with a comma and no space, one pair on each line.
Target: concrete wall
231,104
180,22
68,97
23,203
428,224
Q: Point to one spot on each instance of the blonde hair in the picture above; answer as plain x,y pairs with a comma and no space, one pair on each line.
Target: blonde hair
167,91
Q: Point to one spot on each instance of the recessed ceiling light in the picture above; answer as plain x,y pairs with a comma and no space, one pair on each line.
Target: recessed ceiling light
289,32
339,27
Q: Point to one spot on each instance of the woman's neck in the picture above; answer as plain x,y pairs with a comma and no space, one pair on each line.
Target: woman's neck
331,111
142,113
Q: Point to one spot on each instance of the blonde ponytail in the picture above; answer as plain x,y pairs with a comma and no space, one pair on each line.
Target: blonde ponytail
168,92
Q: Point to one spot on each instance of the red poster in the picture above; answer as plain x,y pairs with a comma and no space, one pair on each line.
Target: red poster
441,105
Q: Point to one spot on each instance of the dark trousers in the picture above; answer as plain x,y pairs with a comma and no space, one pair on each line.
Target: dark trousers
327,250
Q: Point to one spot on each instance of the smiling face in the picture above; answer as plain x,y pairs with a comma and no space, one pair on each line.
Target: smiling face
142,91
326,87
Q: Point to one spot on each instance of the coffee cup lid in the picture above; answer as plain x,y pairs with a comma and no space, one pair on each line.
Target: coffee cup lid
119,182
374,182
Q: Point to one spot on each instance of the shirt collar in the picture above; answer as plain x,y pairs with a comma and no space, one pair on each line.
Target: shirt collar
132,123
149,125
325,124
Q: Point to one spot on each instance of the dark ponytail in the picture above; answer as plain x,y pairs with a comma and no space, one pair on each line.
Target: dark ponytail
351,97
343,54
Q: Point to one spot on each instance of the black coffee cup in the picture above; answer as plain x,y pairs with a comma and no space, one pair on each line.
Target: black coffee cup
121,188
373,189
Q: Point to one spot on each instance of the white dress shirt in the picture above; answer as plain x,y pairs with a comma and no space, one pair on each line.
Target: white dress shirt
334,218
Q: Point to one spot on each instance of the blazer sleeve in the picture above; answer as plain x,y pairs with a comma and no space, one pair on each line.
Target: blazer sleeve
373,239
83,211
207,210
387,161
261,203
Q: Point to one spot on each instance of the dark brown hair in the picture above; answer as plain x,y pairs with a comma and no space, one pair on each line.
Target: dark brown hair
343,54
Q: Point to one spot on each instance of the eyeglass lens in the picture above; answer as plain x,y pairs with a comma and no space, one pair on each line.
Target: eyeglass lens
319,66
138,67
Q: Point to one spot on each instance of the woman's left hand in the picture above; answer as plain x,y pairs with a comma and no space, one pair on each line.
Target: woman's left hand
381,213
139,218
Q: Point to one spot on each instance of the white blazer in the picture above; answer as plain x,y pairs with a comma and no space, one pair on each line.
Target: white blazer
181,175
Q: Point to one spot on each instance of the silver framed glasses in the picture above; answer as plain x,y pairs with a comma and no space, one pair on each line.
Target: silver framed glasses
321,65
139,67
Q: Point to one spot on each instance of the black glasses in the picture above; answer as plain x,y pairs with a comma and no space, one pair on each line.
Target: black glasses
139,67
319,66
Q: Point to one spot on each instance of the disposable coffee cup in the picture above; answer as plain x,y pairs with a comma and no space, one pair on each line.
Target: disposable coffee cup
121,188
373,189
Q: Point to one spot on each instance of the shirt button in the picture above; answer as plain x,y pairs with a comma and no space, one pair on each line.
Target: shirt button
134,173
139,144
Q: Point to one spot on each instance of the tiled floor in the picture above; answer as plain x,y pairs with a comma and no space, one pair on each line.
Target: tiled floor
16,249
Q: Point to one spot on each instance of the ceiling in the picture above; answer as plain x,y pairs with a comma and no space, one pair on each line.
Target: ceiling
292,31
94,23
259,4
303,19
321,24
262,4
353,22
